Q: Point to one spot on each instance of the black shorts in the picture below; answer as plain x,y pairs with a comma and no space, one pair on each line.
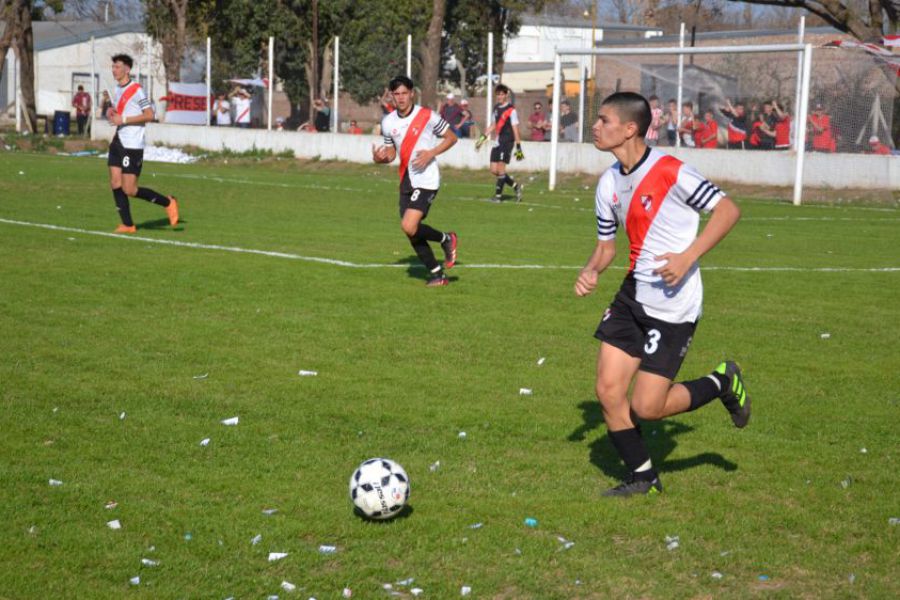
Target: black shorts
128,159
417,198
660,345
502,152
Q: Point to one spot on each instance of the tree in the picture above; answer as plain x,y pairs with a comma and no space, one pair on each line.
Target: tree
18,34
167,23
431,53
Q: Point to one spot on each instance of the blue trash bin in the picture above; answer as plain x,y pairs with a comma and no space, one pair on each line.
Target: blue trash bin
61,122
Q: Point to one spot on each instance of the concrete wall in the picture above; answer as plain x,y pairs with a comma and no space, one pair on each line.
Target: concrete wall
837,171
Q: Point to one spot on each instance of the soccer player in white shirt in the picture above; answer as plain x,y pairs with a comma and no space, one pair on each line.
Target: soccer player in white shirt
418,135
130,111
646,331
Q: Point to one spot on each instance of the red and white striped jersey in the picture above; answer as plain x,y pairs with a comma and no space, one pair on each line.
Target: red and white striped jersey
130,101
658,204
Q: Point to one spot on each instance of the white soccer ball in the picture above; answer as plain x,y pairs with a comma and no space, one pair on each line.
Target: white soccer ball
379,488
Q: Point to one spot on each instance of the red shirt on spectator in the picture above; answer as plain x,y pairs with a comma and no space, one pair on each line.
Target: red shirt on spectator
754,133
783,133
822,138
710,134
876,147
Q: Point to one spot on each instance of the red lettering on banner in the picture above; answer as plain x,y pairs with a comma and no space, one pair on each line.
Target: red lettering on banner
182,102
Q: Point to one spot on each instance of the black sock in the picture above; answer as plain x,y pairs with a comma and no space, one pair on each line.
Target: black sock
425,254
429,233
703,391
498,190
122,206
510,181
630,446
151,196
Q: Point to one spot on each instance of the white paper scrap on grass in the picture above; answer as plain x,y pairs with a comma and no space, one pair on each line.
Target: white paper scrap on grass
416,591
256,539
114,524
55,482
231,421
204,376
273,556
135,581
288,586
541,360
204,442
305,373
347,593
148,562
465,590
525,391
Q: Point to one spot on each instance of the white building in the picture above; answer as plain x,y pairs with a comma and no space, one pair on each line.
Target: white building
529,55
66,56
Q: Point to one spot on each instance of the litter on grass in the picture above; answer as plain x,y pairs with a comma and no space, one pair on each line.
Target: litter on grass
326,549
122,416
114,524
434,466
204,376
825,336
347,593
476,525
135,581
304,373
531,522
462,435
672,542
231,421
525,391
147,562
465,590
269,511
541,361
256,539
55,482
416,591
204,442
288,586
894,521
716,575
273,556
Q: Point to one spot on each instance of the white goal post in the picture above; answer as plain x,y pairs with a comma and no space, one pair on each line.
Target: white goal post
804,51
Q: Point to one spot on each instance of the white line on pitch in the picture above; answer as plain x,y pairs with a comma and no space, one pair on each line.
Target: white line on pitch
344,263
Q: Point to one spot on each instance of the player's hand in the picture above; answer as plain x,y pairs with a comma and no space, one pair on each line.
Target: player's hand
519,154
480,142
586,282
421,159
380,154
676,267
110,114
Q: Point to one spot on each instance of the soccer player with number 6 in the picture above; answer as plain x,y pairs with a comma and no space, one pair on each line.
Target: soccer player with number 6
131,111
413,131
646,331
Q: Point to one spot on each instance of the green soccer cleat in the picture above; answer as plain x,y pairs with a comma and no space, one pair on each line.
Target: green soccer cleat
634,487
735,396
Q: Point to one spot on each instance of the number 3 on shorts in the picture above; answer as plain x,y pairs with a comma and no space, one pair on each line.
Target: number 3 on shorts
125,161
652,341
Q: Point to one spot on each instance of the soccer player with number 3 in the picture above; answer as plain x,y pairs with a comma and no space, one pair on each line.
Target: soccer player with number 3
130,112
415,132
646,331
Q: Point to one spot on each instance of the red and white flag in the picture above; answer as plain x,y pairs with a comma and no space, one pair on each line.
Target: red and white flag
186,103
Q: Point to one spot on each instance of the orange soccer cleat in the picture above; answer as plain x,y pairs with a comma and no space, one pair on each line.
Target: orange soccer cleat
172,211
126,229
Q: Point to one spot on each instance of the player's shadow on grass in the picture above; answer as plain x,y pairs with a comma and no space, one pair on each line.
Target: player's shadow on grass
162,224
416,270
659,437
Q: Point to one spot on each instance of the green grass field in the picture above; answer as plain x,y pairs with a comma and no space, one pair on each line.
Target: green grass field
180,336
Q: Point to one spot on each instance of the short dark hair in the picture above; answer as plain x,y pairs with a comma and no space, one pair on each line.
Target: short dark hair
124,59
502,89
654,97
400,80
80,88
631,107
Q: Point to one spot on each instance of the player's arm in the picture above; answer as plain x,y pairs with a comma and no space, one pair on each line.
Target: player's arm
724,216
603,255
423,157
146,116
